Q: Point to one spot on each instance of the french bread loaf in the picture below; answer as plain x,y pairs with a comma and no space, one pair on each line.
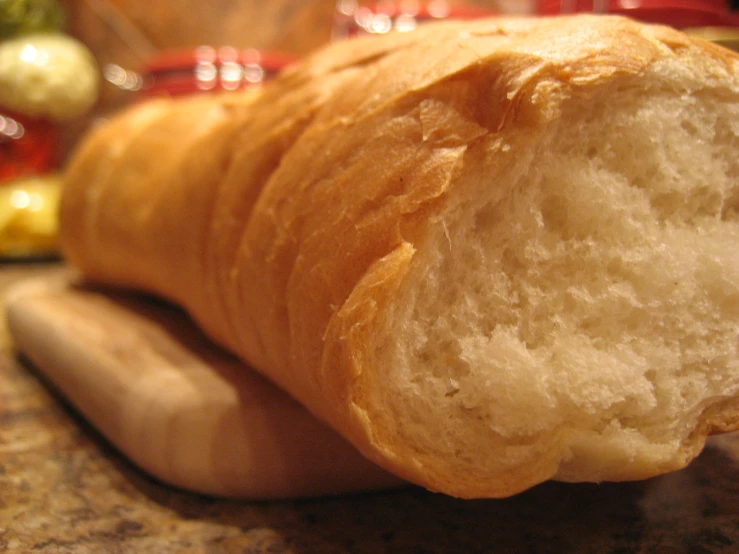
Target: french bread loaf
488,253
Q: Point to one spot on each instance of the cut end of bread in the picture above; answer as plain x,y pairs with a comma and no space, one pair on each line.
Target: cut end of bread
577,319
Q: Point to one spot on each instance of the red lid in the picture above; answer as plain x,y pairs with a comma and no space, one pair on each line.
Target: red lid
382,16
206,68
677,13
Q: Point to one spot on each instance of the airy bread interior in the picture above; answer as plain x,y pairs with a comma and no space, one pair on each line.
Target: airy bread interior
567,310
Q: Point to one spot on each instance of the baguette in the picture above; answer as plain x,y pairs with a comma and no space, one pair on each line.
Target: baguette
488,253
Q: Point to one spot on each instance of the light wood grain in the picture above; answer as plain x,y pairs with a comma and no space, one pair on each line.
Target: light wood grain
178,407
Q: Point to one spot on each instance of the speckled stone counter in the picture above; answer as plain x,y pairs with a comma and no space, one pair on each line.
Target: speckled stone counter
64,489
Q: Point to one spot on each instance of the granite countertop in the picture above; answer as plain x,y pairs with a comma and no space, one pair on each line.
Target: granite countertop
63,488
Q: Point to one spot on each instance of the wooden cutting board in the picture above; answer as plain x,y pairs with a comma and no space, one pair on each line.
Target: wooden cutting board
180,408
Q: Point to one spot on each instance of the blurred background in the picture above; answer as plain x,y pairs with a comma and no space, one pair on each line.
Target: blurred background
138,44
153,46
66,65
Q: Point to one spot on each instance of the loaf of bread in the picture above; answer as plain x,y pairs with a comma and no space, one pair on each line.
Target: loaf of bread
488,253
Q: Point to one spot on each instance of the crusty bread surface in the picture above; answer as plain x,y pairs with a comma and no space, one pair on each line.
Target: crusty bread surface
488,253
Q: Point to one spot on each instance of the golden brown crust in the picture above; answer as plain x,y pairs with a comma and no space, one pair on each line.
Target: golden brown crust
307,203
